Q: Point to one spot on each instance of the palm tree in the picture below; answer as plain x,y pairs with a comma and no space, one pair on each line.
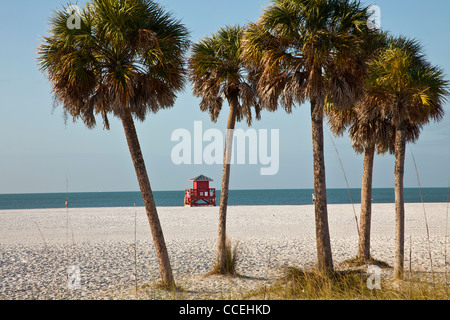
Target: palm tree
409,91
308,50
218,72
369,132
126,59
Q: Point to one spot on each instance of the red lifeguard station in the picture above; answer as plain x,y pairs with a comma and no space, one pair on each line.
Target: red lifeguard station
201,194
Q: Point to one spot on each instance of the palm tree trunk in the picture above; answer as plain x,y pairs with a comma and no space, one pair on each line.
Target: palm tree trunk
221,248
400,149
147,195
324,254
366,204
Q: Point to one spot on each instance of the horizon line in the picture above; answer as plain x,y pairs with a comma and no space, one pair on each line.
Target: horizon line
278,189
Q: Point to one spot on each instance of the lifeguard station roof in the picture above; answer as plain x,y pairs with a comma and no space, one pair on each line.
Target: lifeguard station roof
201,178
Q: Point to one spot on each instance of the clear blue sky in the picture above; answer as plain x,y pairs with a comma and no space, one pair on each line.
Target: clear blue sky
37,149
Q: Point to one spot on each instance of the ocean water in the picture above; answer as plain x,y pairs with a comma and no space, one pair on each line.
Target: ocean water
236,197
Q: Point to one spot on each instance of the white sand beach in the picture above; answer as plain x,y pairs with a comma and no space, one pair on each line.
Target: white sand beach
37,246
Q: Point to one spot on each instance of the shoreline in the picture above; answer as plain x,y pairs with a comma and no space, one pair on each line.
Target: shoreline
36,246
217,206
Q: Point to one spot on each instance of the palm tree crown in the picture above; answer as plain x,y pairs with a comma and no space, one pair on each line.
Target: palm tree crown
405,86
127,56
307,49
218,71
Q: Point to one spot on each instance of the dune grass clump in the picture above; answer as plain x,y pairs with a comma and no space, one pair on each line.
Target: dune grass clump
312,284
231,260
303,284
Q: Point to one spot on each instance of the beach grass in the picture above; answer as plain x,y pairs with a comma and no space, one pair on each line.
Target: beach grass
309,284
231,260
305,284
